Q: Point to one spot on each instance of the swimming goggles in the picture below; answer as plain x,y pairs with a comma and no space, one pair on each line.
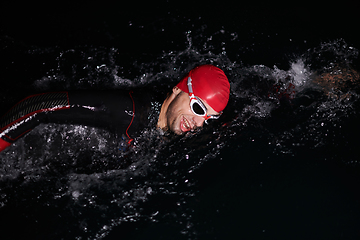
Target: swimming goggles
197,106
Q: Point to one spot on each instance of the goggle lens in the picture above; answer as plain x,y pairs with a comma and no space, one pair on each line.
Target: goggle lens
197,109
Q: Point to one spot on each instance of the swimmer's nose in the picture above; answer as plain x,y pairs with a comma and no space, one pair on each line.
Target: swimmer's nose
199,121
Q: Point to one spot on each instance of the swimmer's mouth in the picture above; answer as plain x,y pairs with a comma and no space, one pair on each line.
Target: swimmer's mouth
185,125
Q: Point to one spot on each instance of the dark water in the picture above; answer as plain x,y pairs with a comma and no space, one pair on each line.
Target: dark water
273,167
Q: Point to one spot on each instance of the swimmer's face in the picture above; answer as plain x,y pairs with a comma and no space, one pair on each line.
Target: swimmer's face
180,118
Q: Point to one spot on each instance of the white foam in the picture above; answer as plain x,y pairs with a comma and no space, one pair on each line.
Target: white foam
300,73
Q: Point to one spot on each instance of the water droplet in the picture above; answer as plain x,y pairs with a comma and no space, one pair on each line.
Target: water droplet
75,194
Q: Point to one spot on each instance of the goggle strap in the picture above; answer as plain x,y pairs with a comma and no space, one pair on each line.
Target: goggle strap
190,85
192,96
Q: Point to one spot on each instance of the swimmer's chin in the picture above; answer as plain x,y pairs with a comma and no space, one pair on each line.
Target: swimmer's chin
179,132
176,131
168,131
191,131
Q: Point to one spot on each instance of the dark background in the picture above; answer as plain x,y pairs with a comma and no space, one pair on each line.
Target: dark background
139,27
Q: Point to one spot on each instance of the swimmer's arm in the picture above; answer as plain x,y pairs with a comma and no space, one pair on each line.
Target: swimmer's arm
105,109
29,113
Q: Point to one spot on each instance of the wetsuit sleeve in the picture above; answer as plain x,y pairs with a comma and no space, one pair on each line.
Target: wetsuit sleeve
110,110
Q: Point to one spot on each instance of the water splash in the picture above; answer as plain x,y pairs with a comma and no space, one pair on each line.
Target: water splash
300,73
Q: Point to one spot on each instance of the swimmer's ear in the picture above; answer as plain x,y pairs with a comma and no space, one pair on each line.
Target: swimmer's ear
176,90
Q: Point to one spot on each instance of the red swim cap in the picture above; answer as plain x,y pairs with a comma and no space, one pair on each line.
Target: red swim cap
210,84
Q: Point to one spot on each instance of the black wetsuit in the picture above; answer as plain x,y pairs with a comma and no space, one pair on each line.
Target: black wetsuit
123,112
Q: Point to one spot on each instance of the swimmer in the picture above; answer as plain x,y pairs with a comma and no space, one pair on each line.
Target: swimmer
200,96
